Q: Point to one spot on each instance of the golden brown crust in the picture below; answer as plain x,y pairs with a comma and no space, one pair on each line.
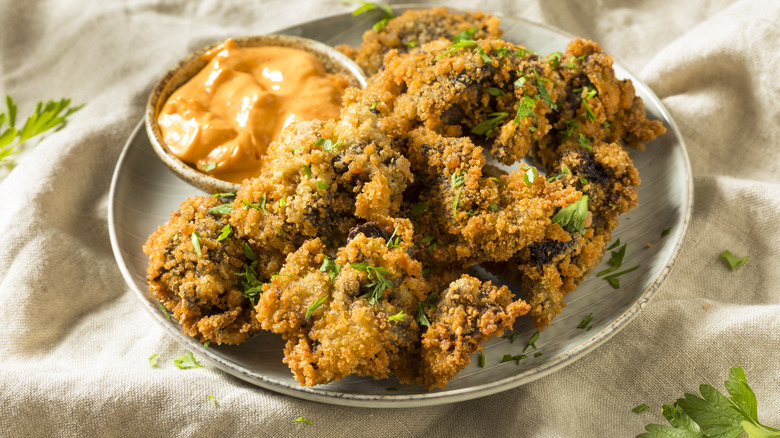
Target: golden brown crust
414,28
468,313
202,291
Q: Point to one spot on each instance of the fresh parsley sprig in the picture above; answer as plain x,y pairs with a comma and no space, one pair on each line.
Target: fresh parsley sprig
379,281
487,126
52,115
713,414
368,6
573,217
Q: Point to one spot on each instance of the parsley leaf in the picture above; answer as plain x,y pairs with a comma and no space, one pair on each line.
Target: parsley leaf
573,217
530,175
525,108
330,266
186,361
418,209
733,261
44,118
381,24
224,233
306,171
328,144
421,317
379,282
302,420
532,341
400,316
213,400
457,180
564,171
196,242
482,359
221,209
314,306
487,126
585,143
585,321
153,360
509,358
493,91
665,232
641,408
713,414
455,203
460,41
613,279
543,91
616,261
165,311
224,195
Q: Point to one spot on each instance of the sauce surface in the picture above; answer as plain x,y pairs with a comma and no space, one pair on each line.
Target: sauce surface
223,119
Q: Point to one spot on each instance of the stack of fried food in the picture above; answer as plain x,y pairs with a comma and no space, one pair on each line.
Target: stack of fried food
353,242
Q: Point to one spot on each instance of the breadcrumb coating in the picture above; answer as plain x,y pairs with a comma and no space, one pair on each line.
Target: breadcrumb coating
414,28
468,313
198,284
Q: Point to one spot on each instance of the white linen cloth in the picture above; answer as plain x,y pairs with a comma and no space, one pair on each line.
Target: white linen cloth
73,360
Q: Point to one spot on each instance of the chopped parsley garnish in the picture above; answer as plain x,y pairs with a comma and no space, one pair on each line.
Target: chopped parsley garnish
196,242
530,175
494,207
532,341
487,126
418,209
570,126
206,344
456,180
165,311
186,361
426,271
613,279
394,240
213,400
455,203
482,359
713,414
586,321
564,171
259,206
543,91
302,420
554,59
641,408
306,171
328,144
525,108
330,266
314,306
252,287
460,41
733,261
483,56
665,232
381,24
282,202
322,185
538,353
520,81
583,181
400,316
373,106
616,261
221,209
225,233
493,91
379,282
510,358
411,44
175,237
585,143
153,360
208,167
224,195
425,240
573,217
589,112
614,245
421,317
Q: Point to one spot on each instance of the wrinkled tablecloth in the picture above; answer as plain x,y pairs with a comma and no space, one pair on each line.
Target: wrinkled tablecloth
73,360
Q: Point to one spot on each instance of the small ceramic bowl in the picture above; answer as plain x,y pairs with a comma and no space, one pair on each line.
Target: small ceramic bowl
333,60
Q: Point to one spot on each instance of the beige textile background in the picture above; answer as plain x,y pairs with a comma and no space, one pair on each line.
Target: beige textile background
73,355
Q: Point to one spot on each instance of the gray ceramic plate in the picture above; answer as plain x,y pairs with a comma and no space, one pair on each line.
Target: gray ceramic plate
144,192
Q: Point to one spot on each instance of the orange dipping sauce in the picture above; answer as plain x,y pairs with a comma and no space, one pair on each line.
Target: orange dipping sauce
223,119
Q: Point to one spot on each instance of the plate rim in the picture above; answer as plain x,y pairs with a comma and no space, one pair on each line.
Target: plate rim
424,398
